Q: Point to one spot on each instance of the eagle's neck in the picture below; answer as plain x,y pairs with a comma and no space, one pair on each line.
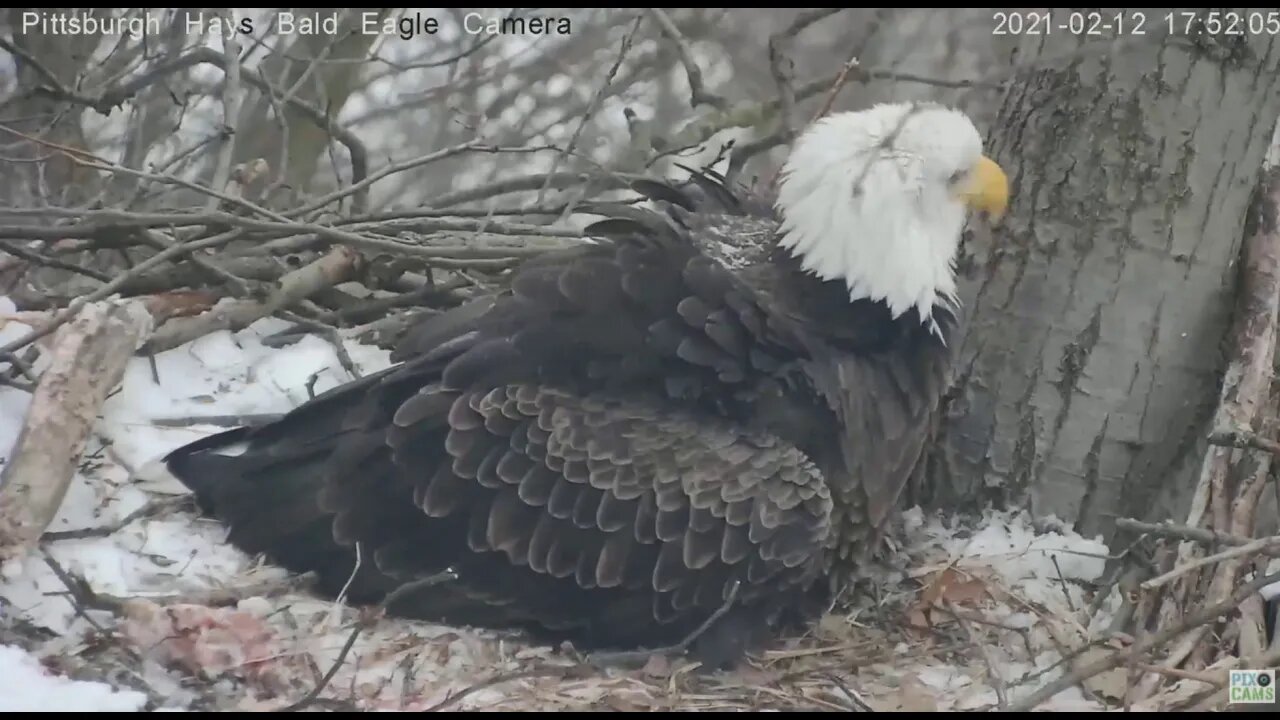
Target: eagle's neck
888,234
862,324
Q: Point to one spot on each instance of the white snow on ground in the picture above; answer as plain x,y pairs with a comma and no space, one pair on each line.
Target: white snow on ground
25,686
267,652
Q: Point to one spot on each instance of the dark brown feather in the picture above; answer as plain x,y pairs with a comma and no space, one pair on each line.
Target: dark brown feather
603,451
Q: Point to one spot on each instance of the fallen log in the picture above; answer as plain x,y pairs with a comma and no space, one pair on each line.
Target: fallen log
87,359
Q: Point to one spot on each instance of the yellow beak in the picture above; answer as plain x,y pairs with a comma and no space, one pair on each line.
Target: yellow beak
987,189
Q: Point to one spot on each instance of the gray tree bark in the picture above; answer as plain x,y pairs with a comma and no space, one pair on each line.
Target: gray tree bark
1095,315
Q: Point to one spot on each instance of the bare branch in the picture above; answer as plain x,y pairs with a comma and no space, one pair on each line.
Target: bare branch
1183,532
87,360
113,97
1201,617
697,90
596,100
336,267
106,290
230,108
1251,548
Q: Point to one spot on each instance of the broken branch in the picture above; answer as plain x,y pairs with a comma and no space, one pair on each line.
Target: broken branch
1194,620
87,360
336,267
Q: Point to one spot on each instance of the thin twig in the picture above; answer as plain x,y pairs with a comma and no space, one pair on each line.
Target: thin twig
113,96
51,262
1251,548
367,620
1247,440
596,100
560,672
78,592
106,290
1182,532
250,420
150,509
997,682
230,109
842,77
1066,591
213,597
850,694
1203,616
605,658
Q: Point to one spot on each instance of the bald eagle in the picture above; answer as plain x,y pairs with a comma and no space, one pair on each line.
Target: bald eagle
706,413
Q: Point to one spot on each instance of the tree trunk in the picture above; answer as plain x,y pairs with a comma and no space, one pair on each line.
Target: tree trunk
1095,315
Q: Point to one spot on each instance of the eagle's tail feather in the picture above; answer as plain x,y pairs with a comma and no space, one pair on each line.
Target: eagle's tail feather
271,502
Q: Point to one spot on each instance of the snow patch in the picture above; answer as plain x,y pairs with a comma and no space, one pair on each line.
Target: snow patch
25,686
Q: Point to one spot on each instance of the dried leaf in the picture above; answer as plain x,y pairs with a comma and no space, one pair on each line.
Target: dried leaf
948,586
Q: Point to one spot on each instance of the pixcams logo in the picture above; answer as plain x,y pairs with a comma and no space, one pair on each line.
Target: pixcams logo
1252,686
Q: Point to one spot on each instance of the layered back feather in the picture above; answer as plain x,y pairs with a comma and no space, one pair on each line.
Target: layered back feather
639,430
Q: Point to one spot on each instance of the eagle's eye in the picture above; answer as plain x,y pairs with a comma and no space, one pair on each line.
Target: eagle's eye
956,177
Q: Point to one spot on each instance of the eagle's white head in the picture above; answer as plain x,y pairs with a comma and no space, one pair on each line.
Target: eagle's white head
879,198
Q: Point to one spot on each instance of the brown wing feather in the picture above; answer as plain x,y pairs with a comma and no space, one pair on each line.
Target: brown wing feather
603,451
584,539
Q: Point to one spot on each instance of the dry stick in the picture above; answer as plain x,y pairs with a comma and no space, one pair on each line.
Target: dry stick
606,181
856,701
997,682
106,290
336,267
560,672
80,595
33,63
784,78
1201,677
698,93
459,252
245,267
596,101
392,169
111,97
331,335
1183,532
78,157
842,77
1243,519
163,242
167,179
150,509
212,597
1248,375
87,360
783,129
625,656
1247,549
1268,659
248,419
230,109
1244,394
1242,439
370,617
1253,628
1199,618
38,259
104,220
